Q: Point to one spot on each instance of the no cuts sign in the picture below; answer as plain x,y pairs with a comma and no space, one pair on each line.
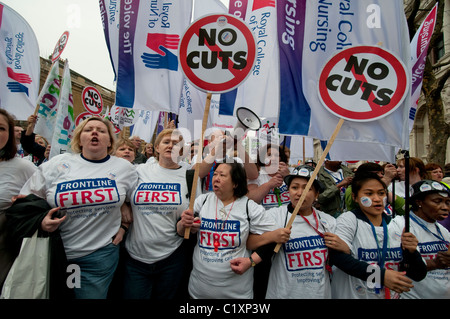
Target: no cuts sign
363,83
92,100
217,53
60,45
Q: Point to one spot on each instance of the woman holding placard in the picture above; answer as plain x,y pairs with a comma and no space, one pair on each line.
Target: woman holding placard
300,270
225,218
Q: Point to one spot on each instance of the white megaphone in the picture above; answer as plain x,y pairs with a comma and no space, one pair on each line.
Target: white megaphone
247,120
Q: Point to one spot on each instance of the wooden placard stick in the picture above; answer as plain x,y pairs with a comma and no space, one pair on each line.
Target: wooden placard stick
312,178
199,159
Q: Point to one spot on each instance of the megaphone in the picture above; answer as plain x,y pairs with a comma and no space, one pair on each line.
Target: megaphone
247,120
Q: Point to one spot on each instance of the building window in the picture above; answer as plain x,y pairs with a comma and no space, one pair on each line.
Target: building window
438,51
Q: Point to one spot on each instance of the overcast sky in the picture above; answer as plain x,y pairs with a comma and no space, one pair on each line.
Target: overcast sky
86,49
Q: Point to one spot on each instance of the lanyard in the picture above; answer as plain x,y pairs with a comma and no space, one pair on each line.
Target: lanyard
438,236
381,254
336,179
317,223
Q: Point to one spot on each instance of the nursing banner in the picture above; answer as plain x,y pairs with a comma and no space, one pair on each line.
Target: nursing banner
260,91
353,51
148,74
19,64
419,52
65,121
110,16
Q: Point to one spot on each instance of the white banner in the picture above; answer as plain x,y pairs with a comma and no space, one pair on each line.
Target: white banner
148,74
48,103
65,121
325,30
110,15
260,91
145,124
19,64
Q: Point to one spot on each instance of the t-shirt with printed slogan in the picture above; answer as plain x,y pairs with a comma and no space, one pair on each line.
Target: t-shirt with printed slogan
432,238
91,192
272,198
230,226
158,200
359,237
298,270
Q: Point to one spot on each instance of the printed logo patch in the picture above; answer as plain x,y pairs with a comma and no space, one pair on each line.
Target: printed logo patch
86,192
158,194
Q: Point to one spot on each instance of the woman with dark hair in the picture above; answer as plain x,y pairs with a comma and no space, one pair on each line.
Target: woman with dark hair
374,267
431,203
269,188
225,219
14,172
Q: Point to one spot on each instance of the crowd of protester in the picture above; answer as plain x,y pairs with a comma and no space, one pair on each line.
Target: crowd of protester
132,217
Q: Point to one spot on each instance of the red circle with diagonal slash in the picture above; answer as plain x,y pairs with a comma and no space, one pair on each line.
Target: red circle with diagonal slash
217,79
354,107
60,45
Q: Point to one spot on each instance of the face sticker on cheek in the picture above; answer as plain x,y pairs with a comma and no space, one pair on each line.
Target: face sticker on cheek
366,201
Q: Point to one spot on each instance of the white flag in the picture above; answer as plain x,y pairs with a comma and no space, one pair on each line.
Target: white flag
145,124
260,91
148,74
19,64
48,103
65,122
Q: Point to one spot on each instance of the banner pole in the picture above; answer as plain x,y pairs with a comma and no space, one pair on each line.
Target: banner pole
312,178
199,159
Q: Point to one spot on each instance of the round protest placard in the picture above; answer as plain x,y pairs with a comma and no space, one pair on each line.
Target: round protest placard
81,117
363,83
60,45
217,53
92,100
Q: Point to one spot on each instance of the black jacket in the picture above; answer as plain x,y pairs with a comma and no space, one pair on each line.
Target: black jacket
23,218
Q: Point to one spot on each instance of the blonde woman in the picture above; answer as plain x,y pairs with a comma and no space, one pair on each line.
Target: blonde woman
87,189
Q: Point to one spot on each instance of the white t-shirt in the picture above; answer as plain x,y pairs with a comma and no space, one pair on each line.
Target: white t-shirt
211,276
157,202
14,174
91,191
399,188
436,284
271,199
359,237
298,269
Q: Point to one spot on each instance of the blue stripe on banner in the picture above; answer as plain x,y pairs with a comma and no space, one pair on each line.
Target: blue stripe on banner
324,145
293,105
125,73
226,102
286,141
